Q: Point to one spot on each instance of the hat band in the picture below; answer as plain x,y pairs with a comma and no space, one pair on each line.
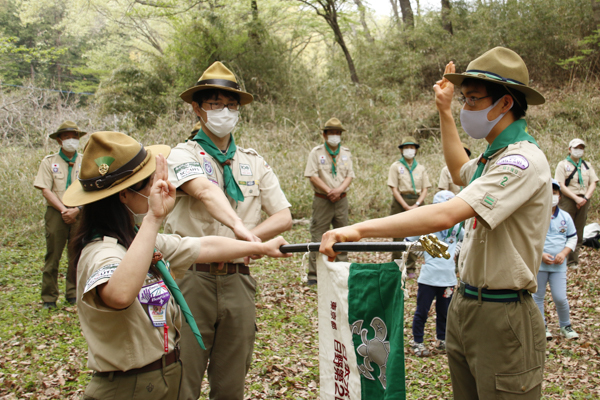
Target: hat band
67,129
117,176
339,128
219,82
494,76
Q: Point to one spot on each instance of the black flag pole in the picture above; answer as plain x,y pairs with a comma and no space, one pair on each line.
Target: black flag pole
352,247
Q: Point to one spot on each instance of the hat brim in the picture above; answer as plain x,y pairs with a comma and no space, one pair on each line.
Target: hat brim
333,128
76,196
55,134
409,144
533,97
245,97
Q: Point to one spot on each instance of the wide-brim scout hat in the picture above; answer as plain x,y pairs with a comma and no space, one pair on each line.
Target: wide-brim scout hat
503,67
333,124
217,76
67,126
409,140
466,147
112,161
575,143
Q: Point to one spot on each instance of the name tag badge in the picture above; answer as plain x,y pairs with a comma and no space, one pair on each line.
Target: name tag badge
158,315
245,170
156,296
344,158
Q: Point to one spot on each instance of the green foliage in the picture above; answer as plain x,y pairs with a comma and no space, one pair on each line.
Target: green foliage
586,62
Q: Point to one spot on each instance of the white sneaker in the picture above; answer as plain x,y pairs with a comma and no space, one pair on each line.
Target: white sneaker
419,349
568,332
440,345
548,334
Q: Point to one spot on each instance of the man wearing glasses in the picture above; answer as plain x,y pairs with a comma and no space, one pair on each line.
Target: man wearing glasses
225,189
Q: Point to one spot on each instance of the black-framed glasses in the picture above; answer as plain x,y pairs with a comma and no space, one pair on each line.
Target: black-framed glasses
218,106
470,100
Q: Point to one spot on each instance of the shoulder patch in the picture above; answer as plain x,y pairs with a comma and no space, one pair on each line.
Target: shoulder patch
489,201
515,160
511,169
188,169
103,274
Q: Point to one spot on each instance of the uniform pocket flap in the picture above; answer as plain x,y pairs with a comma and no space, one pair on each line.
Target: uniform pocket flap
521,382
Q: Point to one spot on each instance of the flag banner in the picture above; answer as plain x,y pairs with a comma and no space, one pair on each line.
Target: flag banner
361,331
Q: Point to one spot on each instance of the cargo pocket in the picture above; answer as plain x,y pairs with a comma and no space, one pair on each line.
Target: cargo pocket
519,383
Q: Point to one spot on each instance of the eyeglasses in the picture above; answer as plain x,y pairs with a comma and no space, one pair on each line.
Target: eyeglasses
219,106
470,100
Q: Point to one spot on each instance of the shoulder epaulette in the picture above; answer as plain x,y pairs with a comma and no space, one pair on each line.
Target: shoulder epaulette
248,151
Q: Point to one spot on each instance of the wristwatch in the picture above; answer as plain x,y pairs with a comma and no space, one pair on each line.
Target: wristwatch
417,203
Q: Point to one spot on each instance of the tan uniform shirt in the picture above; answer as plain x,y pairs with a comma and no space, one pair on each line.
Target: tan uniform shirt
446,183
399,177
120,340
256,179
565,168
53,174
503,248
319,164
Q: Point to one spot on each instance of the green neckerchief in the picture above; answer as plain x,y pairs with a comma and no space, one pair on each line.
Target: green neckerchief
578,167
333,154
410,170
515,132
231,186
71,163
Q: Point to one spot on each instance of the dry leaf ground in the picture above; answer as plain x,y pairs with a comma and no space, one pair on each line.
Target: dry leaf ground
43,354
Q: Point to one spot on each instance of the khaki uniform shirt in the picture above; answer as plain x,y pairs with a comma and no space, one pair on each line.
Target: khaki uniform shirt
565,168
120,340
446,183
319,164
399,177
53,174
256,179
503,248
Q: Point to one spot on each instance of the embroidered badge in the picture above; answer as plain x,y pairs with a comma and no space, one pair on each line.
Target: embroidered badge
563,230
245,170
188,169
344,158
504,181
267,166
103,274
202,153
214,181
322,159
489,201
150,387
103,164
155,294
568,168
401,169
55,168
563,222
512,170
515,160
208,167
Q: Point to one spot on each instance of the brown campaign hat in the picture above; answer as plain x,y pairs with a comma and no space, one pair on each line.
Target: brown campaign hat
503,67
333,124
217,76
112,161
67,126
409,140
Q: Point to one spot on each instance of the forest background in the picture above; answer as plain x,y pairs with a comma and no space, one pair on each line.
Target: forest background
121,64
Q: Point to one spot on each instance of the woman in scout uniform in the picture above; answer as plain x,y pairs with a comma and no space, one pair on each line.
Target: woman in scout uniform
125,292
577,180
409,182
445,182
55,175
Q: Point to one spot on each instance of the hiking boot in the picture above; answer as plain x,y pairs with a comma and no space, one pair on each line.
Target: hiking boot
568,332
48,305
419,349
72,300
548,334
440,345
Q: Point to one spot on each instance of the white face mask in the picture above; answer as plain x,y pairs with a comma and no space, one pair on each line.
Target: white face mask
409,153
334,140
577,153
137,218
70,145
555,199
476,123
221,122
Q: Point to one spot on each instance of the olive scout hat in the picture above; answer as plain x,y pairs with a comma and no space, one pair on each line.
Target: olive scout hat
408,140
217,76
503,67
67,126
112,161
333,124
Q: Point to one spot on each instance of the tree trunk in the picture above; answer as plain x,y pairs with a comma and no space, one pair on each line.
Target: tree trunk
407,13
395,11
333,23
253,34
596,11
446,23
361,10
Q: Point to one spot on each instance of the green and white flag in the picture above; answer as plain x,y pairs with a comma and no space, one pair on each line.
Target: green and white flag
361,335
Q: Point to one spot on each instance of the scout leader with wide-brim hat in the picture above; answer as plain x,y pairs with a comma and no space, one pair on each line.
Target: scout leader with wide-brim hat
67,126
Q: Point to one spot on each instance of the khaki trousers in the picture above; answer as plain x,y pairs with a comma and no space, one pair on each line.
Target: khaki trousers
224,310
58,233
324,214
579,218
495,350
162,384
397,208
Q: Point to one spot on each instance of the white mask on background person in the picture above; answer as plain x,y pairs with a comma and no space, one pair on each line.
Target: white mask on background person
70,145
138,218
409,153
555,199
577,153
221,122
334,140
476,123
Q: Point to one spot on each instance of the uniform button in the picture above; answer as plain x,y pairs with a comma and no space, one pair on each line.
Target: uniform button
523,388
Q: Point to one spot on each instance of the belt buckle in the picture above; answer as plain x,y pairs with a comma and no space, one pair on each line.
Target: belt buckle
461,288
215,270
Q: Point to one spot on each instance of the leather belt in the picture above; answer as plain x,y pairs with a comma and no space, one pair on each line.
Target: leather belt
170,358
495,296
226,268
324,196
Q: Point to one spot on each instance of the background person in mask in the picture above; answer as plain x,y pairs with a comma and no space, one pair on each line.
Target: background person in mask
226,187
495,334
409,182
57,172
577,180
329,169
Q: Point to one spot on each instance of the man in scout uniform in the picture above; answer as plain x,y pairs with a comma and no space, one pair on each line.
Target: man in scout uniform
225,189
577,180
495,337
445,182
55,175
329,169
409,182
